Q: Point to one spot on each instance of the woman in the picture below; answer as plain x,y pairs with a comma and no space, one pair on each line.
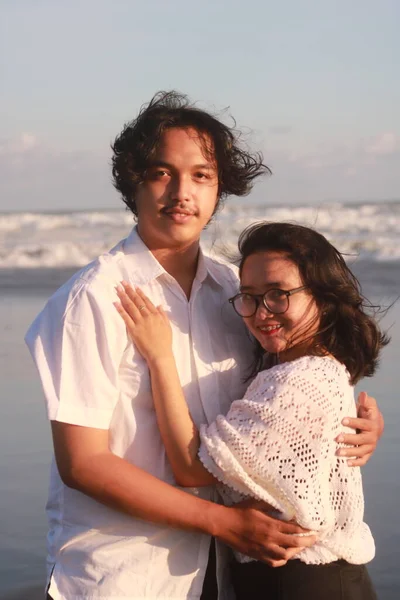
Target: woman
314,340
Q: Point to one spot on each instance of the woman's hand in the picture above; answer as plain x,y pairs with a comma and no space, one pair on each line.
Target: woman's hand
369,426
148,326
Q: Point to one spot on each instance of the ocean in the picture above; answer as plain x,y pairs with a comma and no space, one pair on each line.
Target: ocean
61,240
38,252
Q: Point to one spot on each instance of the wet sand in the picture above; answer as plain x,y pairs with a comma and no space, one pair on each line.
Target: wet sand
36,592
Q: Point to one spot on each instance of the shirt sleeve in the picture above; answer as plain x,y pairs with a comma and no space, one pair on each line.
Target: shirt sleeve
76,343
278,445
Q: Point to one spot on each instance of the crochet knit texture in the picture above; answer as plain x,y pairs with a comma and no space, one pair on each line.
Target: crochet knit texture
278,445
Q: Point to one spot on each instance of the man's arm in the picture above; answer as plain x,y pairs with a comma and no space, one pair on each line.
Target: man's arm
369,426
86,464
77,353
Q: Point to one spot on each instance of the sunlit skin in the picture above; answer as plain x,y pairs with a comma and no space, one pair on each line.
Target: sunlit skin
284,334
179,194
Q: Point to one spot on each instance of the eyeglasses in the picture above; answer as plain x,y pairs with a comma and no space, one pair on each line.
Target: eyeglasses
275,301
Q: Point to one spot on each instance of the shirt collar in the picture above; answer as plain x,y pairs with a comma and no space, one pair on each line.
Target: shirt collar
144,265
147,268
208,267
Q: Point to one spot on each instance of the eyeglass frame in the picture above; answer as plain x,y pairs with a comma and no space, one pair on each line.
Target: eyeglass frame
258,298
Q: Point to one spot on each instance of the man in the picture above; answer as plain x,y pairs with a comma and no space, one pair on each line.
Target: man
119,527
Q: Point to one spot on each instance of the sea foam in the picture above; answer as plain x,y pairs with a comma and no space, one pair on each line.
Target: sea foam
35,240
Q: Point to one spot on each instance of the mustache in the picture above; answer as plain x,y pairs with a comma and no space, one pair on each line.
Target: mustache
178,209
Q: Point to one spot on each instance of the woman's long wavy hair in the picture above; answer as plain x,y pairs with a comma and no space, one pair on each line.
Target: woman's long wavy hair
136,145
347,328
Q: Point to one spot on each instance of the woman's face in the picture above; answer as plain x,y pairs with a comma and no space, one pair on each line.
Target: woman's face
284,334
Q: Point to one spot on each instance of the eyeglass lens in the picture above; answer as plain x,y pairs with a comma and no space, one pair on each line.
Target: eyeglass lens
276,301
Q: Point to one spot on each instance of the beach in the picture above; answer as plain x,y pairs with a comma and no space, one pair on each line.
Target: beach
26,447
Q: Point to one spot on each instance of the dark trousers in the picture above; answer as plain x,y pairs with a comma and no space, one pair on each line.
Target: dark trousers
210,588
298,581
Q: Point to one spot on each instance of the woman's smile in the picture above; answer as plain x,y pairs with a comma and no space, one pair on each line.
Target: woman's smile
271,329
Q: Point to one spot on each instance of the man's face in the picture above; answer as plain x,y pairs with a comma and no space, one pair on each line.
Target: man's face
179,194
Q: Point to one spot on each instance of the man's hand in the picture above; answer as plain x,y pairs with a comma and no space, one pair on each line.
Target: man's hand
369,426
249,528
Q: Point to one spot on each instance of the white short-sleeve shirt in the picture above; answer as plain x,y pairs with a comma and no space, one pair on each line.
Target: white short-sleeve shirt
93,376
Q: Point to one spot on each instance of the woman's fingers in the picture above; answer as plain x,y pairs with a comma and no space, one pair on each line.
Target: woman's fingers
148,303
132,307
139,298
134,300
126,318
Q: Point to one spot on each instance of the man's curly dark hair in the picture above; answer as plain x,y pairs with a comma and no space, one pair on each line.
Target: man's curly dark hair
137,144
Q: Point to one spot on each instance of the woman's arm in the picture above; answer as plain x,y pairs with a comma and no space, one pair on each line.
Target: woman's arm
360,445
149,328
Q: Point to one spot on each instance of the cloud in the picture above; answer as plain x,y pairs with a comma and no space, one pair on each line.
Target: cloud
36,175
27,153
341,170
19,145
27,141
280,129
383,144
324,156
345,157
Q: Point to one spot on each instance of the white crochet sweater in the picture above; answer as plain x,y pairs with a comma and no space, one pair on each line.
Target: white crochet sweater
277,444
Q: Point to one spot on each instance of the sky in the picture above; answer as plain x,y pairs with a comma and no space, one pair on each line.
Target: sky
313,84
